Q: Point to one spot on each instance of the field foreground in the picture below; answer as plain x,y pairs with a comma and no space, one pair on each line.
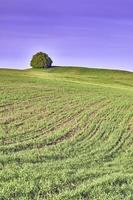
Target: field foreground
66,134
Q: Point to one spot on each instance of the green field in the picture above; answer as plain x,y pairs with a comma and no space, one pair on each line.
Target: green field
66,134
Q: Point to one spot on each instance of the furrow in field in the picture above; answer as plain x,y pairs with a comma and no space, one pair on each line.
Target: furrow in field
65,123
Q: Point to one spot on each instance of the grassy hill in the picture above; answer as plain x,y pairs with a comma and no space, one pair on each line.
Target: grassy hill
66,134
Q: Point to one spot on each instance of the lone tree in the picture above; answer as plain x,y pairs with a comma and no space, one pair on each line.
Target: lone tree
41,60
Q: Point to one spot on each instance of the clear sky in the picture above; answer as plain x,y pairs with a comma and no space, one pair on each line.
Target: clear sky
93,33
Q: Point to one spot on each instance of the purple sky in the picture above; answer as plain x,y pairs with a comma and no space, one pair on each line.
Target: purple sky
95,33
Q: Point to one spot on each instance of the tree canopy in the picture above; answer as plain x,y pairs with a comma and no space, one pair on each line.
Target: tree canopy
41,60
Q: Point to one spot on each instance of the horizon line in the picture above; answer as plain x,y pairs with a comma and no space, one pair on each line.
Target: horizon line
84,67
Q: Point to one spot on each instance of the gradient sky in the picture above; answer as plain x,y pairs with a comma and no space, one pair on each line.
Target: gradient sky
94,33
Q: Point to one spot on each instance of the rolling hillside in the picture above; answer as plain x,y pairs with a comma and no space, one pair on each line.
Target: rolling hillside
66,134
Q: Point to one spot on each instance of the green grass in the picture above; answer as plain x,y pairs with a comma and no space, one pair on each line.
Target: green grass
66,134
